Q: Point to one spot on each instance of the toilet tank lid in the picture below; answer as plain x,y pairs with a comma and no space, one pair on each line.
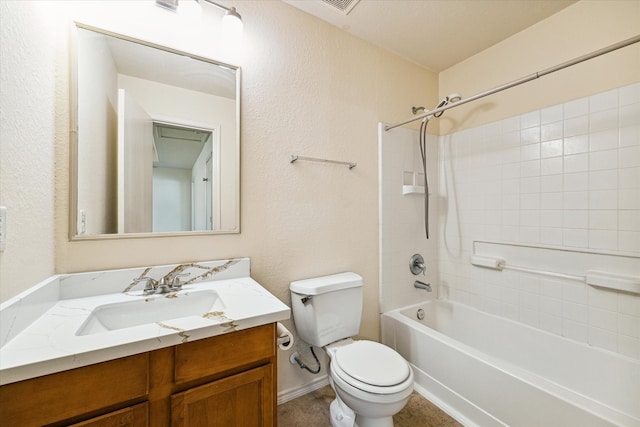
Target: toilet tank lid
322,284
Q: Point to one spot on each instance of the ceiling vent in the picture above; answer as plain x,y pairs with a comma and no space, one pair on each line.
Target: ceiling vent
344,6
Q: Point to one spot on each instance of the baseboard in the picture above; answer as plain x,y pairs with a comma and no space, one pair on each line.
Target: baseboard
292,393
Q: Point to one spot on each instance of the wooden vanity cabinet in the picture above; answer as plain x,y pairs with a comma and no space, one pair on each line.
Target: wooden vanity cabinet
227,380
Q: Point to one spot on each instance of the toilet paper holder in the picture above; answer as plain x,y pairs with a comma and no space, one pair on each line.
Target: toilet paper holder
284,337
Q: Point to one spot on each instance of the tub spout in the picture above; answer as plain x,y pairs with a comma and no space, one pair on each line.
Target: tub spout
421,285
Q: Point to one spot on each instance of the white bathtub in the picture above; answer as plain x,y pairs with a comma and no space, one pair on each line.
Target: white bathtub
489,371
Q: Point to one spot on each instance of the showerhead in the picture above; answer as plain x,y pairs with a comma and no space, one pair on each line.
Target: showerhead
454,97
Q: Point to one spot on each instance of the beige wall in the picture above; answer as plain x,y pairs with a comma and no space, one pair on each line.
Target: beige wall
577,30
308,89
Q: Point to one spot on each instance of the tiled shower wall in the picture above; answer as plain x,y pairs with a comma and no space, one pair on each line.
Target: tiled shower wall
567,176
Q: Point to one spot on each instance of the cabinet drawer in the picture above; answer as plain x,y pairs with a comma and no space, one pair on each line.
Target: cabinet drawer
135,416
68,394
211,356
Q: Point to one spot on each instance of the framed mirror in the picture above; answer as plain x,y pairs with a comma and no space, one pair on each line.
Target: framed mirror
155,141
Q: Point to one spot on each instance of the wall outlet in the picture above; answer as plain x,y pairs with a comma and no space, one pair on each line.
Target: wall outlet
3,228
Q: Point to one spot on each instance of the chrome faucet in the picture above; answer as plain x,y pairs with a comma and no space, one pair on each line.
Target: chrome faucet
172,284
421,285
416,265
150,284
164,286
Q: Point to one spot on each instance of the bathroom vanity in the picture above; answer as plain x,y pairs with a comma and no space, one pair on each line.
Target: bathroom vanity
219,381
216,368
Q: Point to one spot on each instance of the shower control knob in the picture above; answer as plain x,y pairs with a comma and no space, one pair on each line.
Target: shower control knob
416,265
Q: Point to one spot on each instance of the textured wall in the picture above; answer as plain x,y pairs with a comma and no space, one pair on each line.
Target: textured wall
28,128
308,89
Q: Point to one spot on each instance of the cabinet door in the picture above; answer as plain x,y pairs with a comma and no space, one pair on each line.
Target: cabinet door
136,416
242,400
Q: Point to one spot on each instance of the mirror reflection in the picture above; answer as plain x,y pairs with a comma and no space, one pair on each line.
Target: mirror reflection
157,144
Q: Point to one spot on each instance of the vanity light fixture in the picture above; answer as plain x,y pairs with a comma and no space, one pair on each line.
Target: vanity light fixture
231,21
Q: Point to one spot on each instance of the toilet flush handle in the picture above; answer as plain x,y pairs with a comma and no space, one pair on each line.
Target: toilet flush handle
306,299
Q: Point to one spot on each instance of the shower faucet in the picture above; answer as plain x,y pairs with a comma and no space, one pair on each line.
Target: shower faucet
416,265
421,285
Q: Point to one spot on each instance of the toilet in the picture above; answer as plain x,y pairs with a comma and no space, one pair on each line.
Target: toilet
369,379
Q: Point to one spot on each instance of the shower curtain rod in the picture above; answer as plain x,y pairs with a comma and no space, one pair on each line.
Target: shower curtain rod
522,80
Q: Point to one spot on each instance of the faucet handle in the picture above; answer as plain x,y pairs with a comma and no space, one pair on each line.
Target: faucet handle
176,284
150,284
416,265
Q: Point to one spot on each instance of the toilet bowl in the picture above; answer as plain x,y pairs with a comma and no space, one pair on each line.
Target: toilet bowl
371,379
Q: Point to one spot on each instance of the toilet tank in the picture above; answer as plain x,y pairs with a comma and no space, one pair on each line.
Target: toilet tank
328,308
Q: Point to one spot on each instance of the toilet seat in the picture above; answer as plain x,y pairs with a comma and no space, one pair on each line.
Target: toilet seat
372,367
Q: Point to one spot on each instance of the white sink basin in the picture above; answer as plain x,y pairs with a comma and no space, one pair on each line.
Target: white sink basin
154,309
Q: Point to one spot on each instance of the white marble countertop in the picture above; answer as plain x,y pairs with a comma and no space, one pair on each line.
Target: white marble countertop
40,335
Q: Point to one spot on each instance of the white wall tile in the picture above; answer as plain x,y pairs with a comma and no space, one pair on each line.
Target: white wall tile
629,136
551,131
530,135
604,140
603,220
629,94
552,114
628,198
531,119
602,298
551,166
576,145
551,323
551,183
600,160
629,241
629,220
629,346
603,101
511,124
629,325
576,181
576,163
578,238
629,115
551,236
603,179
602,120
566,176
603,199
603,239
574,200
575,108
603,319
576,126
575,219
603,339
531,151
629,178
574,330
551,201
575,293
551,148
553,218
629,304
629,157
